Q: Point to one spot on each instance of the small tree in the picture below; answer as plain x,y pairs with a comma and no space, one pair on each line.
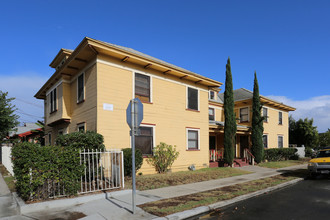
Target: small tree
80,140
8,119
302,132
230,120
257,124
324,138
163,157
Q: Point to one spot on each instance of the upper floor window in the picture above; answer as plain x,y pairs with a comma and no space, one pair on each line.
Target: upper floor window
53,103
265,114
192,99
212,95
193,139
280,118
142,87
211,114
244,114
49,138
265,140
145,141
280,141
81,88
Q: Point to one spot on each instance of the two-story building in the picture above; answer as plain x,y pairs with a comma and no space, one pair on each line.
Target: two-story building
93,84
276,122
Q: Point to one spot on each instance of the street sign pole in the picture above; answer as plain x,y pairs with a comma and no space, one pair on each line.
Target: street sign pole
134,117
133,103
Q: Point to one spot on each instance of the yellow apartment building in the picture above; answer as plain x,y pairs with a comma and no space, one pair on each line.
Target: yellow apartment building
93,84
276,122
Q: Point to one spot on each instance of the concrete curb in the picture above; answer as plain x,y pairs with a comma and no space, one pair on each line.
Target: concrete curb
203,209
62,203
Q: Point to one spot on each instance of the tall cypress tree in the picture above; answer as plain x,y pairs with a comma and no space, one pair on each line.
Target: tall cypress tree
230,121
257,124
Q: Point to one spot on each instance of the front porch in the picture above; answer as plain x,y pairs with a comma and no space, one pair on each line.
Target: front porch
243,156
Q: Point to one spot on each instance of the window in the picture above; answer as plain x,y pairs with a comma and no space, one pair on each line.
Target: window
193,139
53,104
144,141
142,87
265,114
60,132
244,114
280,141
212,95
81,127
81,90
192,99
49,138
211,114
280,118
265,140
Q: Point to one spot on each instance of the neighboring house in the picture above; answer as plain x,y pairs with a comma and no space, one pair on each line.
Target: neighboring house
276,121
29,132
93,84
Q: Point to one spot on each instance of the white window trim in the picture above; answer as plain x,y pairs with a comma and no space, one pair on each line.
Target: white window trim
239,112
213,114
151,84
282,141
83,73
278,120
199,139
267,113
214,95
267,140
198,101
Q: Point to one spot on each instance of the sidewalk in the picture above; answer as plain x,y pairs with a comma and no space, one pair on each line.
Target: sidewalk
117,205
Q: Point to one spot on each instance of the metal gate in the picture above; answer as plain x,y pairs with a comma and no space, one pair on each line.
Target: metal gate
103,170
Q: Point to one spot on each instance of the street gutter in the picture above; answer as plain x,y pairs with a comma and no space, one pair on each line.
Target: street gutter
203,209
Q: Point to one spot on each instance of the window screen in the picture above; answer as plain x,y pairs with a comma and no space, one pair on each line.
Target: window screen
144,141
80,94
193,139
192,99
142,87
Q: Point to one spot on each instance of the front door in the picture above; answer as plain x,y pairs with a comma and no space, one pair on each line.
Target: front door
212,142
244,143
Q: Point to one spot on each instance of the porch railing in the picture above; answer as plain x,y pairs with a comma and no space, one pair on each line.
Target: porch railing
216,155
249,156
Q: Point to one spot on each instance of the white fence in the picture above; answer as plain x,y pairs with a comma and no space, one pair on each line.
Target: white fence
6,158
103,170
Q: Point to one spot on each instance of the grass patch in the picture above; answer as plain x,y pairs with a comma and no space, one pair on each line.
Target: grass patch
155,181
9,179
282,164
178,204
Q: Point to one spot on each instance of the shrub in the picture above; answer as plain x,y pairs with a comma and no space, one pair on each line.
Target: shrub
44,171
278,154
163,157
128,160
80,140
308,152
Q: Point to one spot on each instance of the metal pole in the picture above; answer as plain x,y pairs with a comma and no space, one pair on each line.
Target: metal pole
133,153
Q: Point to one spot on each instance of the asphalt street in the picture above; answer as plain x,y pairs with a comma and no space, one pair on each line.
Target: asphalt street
308,199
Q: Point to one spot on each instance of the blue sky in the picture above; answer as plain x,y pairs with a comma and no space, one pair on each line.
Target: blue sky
286,42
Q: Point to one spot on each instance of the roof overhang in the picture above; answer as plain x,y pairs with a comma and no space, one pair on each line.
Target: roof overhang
89,48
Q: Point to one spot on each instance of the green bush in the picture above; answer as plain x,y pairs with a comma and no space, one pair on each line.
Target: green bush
128,160
45,171
308,152
163,157
80,140
278,154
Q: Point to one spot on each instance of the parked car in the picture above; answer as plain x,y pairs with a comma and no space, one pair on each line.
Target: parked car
321,163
